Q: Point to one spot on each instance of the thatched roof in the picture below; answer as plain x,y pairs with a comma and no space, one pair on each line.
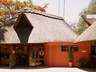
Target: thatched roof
88,35
36,27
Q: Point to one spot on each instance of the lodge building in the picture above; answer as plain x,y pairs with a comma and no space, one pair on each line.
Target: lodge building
34,38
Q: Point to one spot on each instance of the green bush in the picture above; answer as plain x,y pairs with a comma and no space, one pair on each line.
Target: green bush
78,63
85,63
70,59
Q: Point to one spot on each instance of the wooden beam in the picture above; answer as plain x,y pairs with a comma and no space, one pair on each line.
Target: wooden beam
85,19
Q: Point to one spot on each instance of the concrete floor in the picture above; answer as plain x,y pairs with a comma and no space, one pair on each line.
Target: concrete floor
52,69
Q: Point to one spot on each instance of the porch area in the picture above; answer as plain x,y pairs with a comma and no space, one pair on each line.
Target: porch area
14,55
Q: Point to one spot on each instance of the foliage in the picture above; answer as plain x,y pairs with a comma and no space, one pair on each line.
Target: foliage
84,63
81,26
92,7
78,64
8,8
70,59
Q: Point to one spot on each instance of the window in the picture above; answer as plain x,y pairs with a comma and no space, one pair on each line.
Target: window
64,48
74,48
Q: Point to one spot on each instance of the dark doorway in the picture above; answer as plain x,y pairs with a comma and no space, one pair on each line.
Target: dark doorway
4,56
93,55
21,54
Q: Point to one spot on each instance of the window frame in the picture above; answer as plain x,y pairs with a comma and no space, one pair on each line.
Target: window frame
74,49
65,48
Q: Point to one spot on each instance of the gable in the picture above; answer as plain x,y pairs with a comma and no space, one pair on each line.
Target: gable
23,22
23,28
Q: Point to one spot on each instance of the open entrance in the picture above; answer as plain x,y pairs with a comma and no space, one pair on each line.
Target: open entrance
4,56
18,55
21,55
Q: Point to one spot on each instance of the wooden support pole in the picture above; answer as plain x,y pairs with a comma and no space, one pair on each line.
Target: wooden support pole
11,58
35,56
38,57
30,57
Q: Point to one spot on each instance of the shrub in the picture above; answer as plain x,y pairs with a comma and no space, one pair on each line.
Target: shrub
78,64
85,63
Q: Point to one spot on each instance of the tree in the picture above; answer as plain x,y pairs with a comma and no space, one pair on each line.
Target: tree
8,8
82,26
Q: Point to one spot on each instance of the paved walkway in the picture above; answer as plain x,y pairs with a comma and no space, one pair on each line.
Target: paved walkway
53,69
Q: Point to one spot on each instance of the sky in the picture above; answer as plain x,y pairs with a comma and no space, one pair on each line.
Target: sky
72,8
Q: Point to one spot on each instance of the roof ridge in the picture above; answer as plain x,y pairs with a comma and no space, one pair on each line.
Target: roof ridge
40,13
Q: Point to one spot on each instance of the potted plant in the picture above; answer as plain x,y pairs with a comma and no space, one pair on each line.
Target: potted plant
78,64
70,59
70,62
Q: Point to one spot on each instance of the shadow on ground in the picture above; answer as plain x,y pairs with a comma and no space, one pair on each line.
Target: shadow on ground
88,69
